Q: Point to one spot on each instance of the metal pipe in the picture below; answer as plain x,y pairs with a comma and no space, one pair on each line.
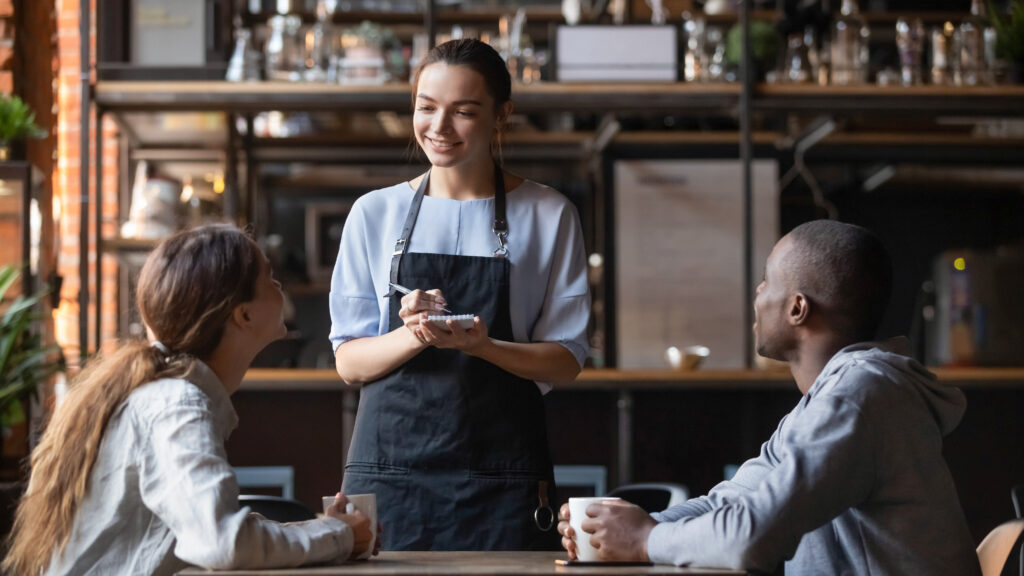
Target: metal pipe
84,30
746,156
98,327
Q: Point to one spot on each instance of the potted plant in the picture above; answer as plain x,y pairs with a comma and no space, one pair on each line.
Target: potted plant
765,44
17,121
1010,38
25,362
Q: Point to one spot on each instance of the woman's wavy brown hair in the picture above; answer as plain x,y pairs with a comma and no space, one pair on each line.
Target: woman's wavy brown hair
187,291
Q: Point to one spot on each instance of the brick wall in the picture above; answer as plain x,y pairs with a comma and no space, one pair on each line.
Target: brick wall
67,189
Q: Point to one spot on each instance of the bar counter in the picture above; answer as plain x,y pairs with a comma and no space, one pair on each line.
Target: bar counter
466,564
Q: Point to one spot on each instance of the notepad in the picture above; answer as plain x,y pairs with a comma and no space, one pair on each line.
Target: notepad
464,321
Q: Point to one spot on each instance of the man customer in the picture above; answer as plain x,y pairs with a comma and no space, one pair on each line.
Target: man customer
853,480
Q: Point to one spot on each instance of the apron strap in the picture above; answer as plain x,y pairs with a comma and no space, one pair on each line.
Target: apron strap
410,223
499,226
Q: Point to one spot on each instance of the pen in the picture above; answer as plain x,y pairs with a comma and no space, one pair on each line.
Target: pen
404,290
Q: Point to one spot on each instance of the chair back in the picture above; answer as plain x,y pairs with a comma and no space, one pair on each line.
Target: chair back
1017,495
652,496
276,508
995,549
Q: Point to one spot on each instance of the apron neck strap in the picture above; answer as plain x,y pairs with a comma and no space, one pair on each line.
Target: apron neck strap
499,226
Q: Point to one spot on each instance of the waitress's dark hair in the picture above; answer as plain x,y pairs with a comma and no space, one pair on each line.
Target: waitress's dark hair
477,56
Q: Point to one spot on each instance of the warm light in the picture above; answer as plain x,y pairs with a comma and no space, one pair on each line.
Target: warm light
218,185
187,191
56,208
960,264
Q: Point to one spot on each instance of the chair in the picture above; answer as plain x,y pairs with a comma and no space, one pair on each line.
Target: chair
996,548
277,509
282,477
1017,495
652,497
588,476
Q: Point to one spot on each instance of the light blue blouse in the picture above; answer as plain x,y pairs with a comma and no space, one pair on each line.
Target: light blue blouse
549,298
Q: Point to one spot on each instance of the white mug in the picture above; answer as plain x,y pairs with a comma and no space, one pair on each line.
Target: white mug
577,514
365,503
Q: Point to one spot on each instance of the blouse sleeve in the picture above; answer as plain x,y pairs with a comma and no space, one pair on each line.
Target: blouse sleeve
186,481
355,311
566,310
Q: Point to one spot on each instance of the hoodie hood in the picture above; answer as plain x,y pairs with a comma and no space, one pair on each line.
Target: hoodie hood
889,357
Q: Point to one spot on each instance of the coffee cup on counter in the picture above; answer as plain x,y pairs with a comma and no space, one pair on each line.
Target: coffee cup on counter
365,503
577,514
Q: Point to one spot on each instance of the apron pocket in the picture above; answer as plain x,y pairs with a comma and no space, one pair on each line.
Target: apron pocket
375,469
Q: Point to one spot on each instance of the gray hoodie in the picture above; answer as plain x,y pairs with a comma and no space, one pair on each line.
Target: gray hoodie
852,482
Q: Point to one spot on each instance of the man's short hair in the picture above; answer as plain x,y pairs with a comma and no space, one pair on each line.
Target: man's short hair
846,270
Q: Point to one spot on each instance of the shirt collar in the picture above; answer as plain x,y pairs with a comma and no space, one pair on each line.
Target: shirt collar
200,374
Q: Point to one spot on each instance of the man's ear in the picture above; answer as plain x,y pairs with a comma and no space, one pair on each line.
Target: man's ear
799,309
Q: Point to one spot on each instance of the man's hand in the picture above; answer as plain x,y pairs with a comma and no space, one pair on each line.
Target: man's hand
618,530
568,535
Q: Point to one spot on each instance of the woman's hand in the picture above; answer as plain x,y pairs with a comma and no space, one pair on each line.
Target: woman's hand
357,521
418,303
453,336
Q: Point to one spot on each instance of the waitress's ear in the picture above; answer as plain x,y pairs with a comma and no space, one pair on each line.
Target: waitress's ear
503,115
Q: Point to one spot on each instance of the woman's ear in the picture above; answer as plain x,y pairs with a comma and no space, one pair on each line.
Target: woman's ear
503,115
240,315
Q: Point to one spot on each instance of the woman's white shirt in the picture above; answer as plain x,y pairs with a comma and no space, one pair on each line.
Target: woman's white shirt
549,299
162,495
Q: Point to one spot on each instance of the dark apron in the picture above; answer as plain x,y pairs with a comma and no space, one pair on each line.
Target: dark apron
454,447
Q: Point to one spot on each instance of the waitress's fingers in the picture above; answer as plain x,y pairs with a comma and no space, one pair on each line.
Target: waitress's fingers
437,296
419,301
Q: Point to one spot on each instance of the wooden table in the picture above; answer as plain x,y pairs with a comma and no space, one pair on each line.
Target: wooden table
465,564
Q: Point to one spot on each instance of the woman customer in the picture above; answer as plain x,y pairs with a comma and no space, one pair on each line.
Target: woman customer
131,475
450,432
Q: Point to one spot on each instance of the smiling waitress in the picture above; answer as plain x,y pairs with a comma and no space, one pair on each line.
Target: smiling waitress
450,432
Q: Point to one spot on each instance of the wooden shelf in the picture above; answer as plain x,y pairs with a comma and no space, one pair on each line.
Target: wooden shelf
584,97
120,96
119,244
609,379
966,100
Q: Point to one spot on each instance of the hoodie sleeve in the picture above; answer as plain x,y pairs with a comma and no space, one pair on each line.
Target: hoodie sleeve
809,473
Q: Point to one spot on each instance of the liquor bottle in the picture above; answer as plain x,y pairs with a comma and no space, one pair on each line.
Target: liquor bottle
976,38
850,36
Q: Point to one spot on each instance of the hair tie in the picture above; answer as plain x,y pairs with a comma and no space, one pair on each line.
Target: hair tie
160,346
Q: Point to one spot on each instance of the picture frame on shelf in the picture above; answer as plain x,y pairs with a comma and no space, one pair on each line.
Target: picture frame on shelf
324,224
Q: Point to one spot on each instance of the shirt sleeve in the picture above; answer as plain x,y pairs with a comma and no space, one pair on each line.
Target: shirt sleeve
354,303
566,311
824,466
186,481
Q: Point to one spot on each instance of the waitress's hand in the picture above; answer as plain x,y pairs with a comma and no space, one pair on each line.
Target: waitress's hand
454,337
418,302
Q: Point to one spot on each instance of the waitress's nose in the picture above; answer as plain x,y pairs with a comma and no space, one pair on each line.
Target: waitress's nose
441,123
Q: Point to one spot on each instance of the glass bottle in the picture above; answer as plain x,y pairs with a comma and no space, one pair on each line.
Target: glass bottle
976,34
850,36
909,41
797,67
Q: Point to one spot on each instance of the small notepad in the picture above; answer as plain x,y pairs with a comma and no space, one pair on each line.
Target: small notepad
465,321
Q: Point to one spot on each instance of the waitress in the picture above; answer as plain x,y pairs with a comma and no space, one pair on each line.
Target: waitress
450,432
